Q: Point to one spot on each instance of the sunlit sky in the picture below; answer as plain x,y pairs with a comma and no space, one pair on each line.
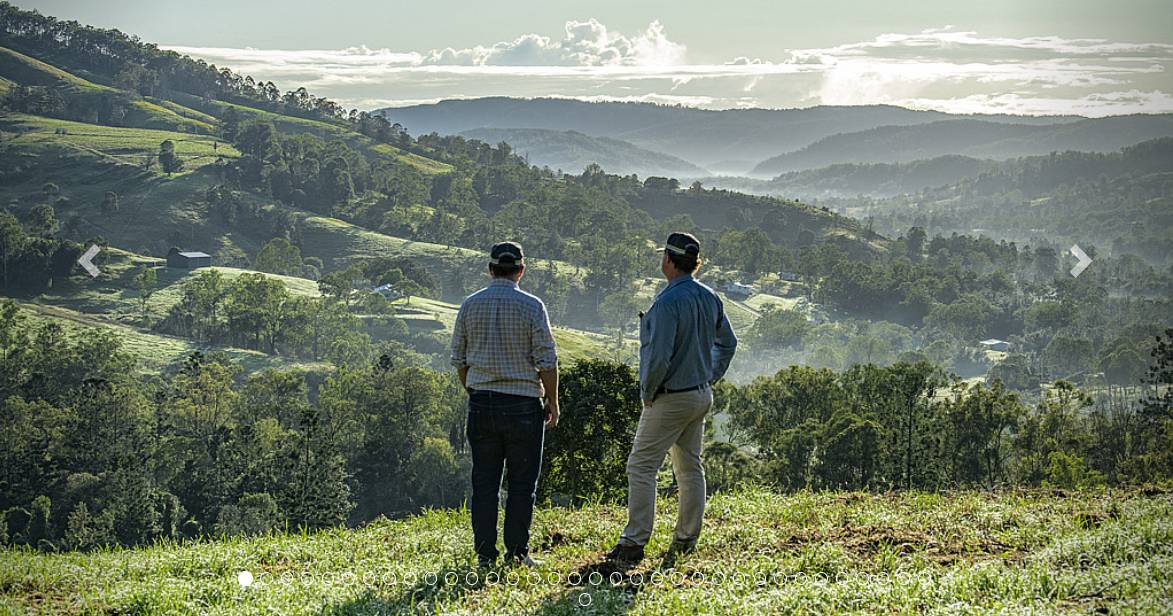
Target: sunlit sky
1087,57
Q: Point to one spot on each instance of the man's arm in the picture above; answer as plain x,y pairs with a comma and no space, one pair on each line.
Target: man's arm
545,358
550,382
655,354
724,344
460,349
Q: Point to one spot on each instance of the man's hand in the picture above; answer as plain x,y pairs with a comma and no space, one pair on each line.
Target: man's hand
551,414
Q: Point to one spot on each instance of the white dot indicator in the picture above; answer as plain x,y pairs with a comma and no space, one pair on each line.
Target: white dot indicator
245,578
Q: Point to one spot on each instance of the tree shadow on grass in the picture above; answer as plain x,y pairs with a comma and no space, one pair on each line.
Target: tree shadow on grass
598,587
605,599
419,595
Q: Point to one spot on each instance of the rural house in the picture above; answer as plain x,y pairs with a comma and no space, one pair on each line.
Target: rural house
993,344
188,260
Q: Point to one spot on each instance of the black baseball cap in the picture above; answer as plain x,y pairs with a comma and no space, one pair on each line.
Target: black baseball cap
684,244
506,253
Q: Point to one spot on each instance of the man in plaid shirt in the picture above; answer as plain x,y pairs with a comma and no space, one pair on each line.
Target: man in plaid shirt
503,350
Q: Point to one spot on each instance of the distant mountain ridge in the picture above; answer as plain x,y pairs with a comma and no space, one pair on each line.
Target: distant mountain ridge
726,141
571,151
974,138
845,180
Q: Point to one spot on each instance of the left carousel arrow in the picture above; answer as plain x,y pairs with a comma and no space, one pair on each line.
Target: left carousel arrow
87,260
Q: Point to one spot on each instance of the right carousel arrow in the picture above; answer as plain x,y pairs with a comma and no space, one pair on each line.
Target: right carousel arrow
1084,260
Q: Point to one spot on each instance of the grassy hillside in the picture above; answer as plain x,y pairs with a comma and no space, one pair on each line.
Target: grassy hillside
325,130
155,351
572,151
111,301
981,139
123,145
1107,552
24,70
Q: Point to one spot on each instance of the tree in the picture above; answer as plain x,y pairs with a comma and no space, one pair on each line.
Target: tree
145,282
42,220
620,309
110,202
168,160
778,329
586,456
340,285
915,243
279,256
230,124
12,242
982,419
259,140
256,307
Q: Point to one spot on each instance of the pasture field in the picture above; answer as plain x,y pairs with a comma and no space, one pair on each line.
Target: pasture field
123,145
1036,552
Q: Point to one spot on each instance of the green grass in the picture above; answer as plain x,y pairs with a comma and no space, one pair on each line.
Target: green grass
112,300
807,553
186,112
344,241
26,70
155,351
118,144
326,130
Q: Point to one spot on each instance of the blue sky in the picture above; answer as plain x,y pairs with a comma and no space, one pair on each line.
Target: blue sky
1086,57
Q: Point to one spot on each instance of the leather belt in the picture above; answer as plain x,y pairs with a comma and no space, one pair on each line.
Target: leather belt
665,390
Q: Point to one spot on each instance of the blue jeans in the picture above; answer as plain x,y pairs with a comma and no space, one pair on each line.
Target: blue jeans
504,432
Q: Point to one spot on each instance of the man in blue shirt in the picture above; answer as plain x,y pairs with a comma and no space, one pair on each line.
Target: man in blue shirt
686,344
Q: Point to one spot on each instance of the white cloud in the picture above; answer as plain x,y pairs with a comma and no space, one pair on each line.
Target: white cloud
946,68
585,43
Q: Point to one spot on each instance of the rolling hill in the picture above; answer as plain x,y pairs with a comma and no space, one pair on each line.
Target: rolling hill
729,141
428,200
855,179
979,139
1118,201
97,103
572,151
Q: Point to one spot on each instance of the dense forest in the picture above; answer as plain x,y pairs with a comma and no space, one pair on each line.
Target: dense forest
94,455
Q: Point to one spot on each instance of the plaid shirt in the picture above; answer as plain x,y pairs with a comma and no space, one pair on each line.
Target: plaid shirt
502,335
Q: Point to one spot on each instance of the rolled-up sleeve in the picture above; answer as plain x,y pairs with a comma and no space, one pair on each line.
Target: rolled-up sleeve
724,344
459,341
545,355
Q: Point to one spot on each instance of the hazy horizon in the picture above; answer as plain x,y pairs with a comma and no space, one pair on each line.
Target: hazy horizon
1046,59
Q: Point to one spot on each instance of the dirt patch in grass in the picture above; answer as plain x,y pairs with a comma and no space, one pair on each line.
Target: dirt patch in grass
868,541
555,539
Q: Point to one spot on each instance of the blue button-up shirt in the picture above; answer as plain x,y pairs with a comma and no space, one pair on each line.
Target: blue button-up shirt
685,339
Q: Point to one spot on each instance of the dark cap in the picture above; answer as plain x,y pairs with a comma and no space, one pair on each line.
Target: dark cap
684,244
506,253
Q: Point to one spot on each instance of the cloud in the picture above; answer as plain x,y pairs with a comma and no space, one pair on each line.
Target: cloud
585,43
943,68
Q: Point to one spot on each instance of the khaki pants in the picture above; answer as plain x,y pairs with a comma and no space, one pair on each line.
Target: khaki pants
674,422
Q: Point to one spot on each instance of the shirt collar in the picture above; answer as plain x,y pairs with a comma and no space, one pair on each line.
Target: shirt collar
503,282
679,280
